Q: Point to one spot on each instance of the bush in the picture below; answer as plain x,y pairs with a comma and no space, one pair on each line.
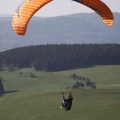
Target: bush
31,75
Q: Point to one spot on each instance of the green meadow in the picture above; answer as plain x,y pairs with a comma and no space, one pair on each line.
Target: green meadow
39,98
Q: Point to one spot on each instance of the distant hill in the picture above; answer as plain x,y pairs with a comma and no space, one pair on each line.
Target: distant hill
69,29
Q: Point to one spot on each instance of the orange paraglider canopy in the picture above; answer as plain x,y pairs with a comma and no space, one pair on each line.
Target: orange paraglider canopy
24,13
100,8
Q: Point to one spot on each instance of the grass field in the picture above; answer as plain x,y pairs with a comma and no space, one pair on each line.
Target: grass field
40,98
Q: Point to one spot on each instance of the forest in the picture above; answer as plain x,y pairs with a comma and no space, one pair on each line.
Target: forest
58,57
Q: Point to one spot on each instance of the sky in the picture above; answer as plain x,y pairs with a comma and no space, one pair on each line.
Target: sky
56,7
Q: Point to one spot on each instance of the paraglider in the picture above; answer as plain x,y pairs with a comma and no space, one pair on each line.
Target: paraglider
25,12
67,102
100,8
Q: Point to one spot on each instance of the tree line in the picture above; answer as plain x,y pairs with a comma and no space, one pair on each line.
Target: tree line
57,57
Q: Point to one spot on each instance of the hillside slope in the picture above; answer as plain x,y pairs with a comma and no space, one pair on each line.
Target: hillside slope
40,98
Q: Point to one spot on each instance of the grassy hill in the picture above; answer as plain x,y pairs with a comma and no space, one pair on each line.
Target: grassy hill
40,98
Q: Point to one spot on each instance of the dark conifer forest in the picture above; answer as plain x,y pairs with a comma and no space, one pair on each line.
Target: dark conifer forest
57,57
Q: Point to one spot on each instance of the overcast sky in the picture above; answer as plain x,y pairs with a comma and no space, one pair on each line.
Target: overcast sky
56,7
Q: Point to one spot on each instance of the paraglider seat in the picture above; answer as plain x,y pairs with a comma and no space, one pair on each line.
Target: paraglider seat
67,105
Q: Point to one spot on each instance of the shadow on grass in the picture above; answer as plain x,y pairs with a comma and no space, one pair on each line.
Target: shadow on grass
8,92
12,91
